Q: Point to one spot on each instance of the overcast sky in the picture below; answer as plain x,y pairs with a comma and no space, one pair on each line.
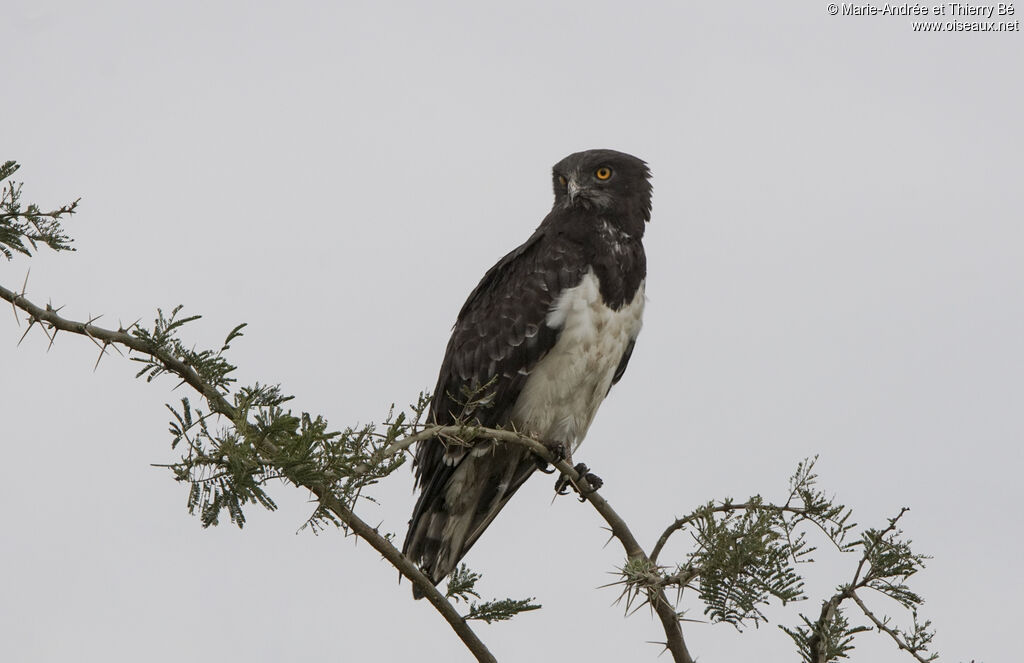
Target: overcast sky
836,267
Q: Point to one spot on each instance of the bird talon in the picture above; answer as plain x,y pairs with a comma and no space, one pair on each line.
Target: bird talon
556,449
595,481
564,483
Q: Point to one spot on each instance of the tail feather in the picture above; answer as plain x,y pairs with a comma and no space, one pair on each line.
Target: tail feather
458,503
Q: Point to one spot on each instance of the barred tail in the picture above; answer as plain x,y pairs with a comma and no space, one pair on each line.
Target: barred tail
459,502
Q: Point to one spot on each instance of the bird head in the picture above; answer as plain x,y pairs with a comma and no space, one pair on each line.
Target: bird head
613,184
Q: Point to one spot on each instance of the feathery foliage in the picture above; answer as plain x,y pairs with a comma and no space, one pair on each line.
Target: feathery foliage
745,559
229,467
22,230
829,639
462,586
500,611
211,366
885,565
745,555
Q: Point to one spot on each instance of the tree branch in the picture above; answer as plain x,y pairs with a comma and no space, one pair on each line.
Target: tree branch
29,215
108,337
816,643
881,626
220,405
665,610
406,567
680,523
829,608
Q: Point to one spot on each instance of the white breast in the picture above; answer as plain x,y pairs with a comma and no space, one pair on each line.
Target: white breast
564,390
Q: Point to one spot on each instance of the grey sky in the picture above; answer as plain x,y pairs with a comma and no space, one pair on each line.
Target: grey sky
835,268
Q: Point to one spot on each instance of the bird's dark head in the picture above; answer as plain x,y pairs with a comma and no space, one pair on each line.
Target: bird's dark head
613,184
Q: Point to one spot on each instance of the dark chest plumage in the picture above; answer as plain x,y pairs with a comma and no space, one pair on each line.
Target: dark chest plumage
617,258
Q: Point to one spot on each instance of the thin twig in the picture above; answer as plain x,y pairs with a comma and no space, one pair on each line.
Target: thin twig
869,550
829,607
680,523
55,214
886,629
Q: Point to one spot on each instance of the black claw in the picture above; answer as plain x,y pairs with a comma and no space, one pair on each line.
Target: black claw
563,484
595,481
556,449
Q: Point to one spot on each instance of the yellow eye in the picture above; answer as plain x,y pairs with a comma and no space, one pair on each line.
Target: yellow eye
561,180
603,173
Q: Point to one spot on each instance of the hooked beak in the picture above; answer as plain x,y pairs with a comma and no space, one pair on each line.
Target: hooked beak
574,191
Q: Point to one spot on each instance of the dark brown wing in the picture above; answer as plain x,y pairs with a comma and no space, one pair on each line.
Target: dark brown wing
500,336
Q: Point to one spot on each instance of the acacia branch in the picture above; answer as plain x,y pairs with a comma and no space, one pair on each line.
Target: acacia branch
49,316
31,214
680,523
406,567
816,643
665,610
881,626
868,550
829,607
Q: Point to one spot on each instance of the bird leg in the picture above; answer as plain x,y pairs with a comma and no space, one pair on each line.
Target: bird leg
564,483
556,449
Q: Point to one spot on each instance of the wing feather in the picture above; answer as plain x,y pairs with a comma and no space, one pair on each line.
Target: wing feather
499,337
620,370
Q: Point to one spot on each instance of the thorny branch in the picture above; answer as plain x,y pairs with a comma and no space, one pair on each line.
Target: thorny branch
830,608
634,552
893,633
70,208
103,338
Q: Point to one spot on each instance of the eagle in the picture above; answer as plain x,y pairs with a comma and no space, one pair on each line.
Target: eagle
536,348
